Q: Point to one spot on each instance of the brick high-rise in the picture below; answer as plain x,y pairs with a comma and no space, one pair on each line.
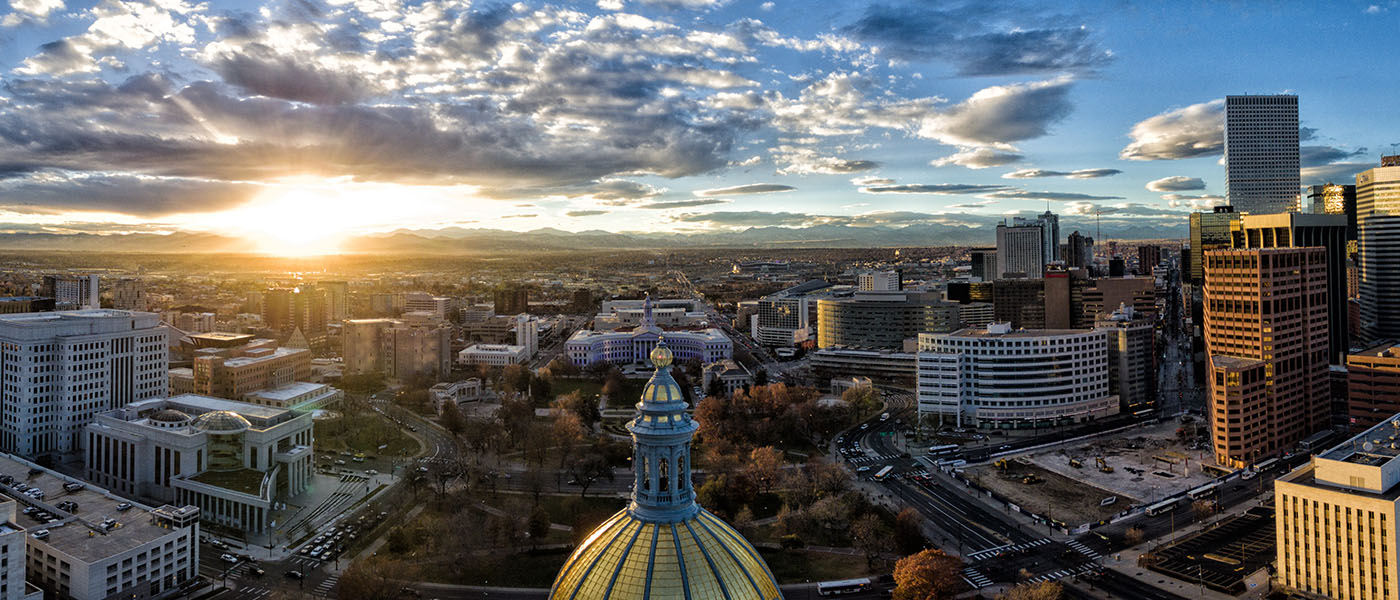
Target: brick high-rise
1266,341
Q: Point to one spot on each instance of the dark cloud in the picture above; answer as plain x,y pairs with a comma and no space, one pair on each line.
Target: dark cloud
126,194
978,158
586,213
59,57
1342,172
750,218
1316,156
752,188
1176,183
1054,196
1076,174
946,189
1307,133
682,203
261,71
981,38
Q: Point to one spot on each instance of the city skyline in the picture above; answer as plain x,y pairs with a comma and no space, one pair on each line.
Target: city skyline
297,124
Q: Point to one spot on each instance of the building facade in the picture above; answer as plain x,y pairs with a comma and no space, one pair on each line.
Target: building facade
1132,359
61,368
258,364
418,345
1301,230
1266,345
785,318
71,292
1335,520
1261,153
880,281
493,355
1020,250
1378,252
1008,379
882,319
1373,385
129,294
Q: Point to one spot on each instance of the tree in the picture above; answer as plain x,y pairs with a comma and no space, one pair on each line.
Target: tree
764,467
369,579
928,575
908,531
561,366
452,419
515,379
479,434
870,536
538,525
516,414
863,399
614,384
588,468
760,377
585,408
1133,536
1045,590
1204,507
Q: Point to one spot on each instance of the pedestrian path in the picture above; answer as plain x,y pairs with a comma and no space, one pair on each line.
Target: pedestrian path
325,587
1052,576
975,578
1082,549
990,552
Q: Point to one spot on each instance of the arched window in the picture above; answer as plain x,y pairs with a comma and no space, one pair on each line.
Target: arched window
665,483
646,474
682,473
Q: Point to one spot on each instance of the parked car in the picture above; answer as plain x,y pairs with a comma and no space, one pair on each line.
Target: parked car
228,558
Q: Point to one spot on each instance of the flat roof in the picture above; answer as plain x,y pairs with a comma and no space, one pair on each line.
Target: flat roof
221,335
75,537
279,352
1376,446
289,391
39,318
1386,349
1233,362
208,403
981,332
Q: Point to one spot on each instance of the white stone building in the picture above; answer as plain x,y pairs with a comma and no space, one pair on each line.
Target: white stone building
586,347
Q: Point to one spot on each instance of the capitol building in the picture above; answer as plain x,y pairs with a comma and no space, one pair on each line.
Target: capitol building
664,545
628,346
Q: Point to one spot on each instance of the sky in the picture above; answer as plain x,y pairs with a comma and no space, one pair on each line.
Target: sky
301,121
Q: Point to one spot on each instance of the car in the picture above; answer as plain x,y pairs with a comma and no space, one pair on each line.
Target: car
257,571
371,472
864,426
340,462
295,575
306,551
123,505
218,544
325,555
862,469
228,558
1248,475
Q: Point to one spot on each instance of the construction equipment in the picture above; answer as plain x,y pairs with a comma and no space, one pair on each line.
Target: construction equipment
1031,479
1002,465
1074,462
1103,465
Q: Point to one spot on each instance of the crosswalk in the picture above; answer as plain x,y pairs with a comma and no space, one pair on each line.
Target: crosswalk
1053,575
865,460
325,587
975,578
307,563
1082,549
253,592
990,552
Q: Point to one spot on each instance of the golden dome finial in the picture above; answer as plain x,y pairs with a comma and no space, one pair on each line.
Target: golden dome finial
661,356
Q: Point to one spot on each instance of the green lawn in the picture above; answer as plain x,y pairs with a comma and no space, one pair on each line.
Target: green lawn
799,566
364,432
586,387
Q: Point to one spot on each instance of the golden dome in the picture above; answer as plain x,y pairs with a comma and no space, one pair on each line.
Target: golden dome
700,558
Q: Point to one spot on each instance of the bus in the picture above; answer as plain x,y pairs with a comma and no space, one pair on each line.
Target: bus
1317,442
1203,491
1262,466
941,450
1162,507
885,472
844,586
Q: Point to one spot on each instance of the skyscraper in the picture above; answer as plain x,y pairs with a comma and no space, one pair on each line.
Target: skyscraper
984,263
1021,249
1209,231
1301,230
1261,153
1050,229
1080,253
1148,257
1378,249
1266,346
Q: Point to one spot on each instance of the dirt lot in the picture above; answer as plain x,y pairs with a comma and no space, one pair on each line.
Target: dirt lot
1134,457
1070,501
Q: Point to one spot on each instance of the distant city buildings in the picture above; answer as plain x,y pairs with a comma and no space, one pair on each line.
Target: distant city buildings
1378,237
1080,253
1373,385
22,304
1002,378
785,318
1266,345
627,347
1262,154
1020,250
230,366
512,300
1132,359
665,312
880,281
61,368
417,345
129,294
71,292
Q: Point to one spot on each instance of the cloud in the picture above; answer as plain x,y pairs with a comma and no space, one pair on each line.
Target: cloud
1196,130
686,4
522,216
1176,183
944,189
827,165
752,188
871,180
1193,203
261,71
751,218
1342,172
1077,174
33,11
1054,196
52,192
59,57
1001,115
1316,156
682,203
978,158
981,38
586,213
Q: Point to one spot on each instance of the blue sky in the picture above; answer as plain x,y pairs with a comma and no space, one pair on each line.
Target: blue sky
346,116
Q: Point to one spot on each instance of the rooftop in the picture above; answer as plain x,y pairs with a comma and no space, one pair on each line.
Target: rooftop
249,360
79,536
246,481
1233,362
975,332
1375,446
1386,349
291,390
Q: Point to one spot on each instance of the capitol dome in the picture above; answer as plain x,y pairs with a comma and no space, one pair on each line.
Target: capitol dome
222,422
664,545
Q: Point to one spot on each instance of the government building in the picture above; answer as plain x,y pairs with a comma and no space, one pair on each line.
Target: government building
630,346
664,545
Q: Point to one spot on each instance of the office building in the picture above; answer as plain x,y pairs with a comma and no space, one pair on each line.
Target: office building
633,346
12,543
1091,298
286,310
1050,237
1020,302
232,460
964,292
22,304
1002,378
416,345
883,365
1209,231
984,264
1378,250
1373,385
785,318
438,306
71,292
1261,153
1302,230
664,545
726,377
1149,256
1020,250
1335,520
61,368
1132,359
666,312
882,319
527,334
478,312
105,548
493,355
298,397
880,281
512,300
232,372
1266,346
1336,199
976,314
130,294
1080,253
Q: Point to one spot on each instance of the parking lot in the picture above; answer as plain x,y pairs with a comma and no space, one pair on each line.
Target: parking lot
1222,557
